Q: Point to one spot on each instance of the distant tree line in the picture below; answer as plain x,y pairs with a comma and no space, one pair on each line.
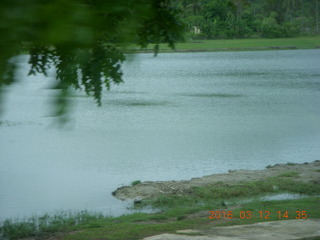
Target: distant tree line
249,18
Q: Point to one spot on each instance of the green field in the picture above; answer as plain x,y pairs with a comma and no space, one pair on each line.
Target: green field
239,45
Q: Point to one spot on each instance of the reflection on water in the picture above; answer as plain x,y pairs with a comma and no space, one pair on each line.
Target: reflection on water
271,197
283,196
213,95
138,103
176,117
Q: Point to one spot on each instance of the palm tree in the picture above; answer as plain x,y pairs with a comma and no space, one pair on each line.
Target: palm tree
196,6
317,16
239,7
182,5
289,5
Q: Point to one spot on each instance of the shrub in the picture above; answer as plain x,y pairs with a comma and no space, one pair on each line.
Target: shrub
136,182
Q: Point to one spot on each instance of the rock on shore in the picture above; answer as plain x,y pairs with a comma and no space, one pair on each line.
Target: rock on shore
307,172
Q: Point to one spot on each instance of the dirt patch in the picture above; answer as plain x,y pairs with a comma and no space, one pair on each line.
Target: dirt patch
287,229
306,172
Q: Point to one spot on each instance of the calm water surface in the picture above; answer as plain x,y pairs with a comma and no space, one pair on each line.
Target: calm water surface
177,116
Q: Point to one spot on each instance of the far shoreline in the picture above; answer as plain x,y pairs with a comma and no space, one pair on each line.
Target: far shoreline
221,49
228,45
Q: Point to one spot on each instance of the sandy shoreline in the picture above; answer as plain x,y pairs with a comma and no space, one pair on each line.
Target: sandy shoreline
306,172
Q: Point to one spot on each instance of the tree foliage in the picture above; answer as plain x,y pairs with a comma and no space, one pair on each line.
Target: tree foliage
250,18
82,40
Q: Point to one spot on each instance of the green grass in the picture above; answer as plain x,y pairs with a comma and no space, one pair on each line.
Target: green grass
136,182
220,191
134,230
290,164
177,212
40,227
141,225
289,174
242,44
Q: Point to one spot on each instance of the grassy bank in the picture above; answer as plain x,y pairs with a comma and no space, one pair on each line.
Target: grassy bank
239,45
221,192
141,225
186,211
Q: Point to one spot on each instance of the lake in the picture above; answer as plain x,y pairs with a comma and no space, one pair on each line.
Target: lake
177,116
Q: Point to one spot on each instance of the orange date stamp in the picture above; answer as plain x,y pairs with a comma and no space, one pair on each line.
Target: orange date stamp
260,215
